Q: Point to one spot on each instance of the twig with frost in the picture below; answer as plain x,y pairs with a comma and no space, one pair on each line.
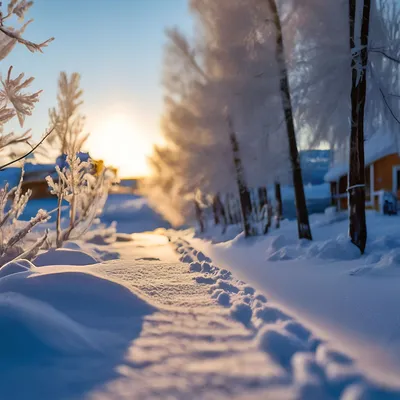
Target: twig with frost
13,231
85,194
2,167
40,217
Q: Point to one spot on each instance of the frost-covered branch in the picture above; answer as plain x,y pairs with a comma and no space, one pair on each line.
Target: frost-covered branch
19,8
12,231
85,193
32,150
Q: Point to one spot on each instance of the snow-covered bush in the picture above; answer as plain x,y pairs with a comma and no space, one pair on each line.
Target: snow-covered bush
85,192
15,102
14,232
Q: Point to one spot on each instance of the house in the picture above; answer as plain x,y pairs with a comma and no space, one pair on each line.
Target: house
35,179
35,175
382,172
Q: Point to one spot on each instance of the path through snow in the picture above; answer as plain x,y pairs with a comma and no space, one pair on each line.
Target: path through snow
150,326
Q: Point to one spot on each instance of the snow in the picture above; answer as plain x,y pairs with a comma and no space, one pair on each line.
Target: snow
328,286
132,213
64,257
376,146
164,314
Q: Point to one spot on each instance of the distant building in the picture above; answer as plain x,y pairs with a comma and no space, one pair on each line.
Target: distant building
382,173
35,176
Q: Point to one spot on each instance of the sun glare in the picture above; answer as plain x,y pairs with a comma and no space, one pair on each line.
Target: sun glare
120,143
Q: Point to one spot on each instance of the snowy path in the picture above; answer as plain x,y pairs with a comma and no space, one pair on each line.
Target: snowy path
135,328
152,326
356,314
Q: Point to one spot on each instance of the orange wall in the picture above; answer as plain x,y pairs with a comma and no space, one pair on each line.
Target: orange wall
383,172
383,177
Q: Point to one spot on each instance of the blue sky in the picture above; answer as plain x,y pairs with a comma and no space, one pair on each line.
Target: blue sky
117,47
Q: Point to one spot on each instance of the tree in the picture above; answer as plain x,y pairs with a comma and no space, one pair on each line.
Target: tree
356,185
69,136
244,193
303,224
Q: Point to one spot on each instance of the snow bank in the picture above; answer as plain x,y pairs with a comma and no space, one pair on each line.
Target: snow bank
64,331
64,257
13,267
328,283
314,369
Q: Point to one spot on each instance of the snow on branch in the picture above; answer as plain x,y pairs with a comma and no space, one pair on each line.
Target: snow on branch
12,231
18,8
84,191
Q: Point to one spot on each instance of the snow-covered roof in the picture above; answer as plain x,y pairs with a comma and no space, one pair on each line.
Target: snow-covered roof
377,146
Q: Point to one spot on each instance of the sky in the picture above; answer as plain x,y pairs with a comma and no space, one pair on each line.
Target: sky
117,47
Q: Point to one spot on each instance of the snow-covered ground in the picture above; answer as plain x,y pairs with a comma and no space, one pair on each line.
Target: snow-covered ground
348,300
135,328
165,314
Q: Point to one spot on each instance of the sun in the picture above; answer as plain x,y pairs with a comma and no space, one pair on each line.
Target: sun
120,143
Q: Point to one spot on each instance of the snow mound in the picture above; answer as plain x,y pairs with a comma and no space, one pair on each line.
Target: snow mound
279,344
276,243
84,297
224,299
13,267
334,249
241,312
270,314
195,266
386,264
64,257
35,329
202,257
206,267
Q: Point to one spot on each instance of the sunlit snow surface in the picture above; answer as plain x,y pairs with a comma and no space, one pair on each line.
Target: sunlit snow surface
151,316
124,329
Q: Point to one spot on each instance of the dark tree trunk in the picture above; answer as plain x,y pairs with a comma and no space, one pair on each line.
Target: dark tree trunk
244,193
219,212
356,178
264,208
215,210
303,224
262,197
228,208
255,206
199,216
278,200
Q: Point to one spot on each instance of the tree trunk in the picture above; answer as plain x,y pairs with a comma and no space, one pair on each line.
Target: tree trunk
262,197
220,210
244,193
228,208
215,210
356,178
303,224
199,216
278,200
